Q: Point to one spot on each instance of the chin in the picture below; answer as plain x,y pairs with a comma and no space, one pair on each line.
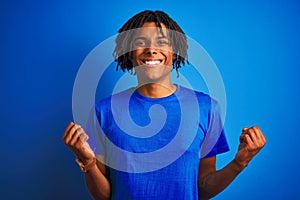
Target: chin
152,74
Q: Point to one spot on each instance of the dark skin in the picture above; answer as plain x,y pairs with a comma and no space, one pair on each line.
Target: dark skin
210,181
96,178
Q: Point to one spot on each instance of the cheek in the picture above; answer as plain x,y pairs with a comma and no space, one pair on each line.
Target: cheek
170,58
134,55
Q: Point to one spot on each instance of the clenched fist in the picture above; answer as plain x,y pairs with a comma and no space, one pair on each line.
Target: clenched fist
252,141
76,139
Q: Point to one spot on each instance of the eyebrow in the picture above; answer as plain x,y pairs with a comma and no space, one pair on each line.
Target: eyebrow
144,38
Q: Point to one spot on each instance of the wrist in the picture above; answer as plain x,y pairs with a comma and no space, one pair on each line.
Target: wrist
86,165
239,165
86,161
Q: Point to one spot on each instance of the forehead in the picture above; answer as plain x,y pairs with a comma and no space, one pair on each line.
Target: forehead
151,29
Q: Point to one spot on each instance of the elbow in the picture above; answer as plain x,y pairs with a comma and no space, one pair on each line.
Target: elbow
104,197
204,194
101,195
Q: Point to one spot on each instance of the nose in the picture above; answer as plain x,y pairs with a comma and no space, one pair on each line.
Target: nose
151,51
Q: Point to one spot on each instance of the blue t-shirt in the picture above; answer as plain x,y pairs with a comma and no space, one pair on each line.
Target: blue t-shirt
153,146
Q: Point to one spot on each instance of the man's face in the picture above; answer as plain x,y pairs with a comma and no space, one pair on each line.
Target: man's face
153,55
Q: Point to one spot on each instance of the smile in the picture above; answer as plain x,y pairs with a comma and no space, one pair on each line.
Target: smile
152,61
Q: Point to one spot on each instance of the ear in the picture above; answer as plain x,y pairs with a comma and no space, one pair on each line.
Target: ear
174,56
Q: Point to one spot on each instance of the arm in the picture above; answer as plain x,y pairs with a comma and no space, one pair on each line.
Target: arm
97,182
211,182
96,177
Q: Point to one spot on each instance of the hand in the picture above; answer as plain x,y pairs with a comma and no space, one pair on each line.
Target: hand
252,141
76,139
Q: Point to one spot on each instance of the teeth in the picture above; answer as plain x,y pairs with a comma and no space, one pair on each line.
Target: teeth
152,62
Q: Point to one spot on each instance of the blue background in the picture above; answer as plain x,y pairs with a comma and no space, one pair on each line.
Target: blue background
255,45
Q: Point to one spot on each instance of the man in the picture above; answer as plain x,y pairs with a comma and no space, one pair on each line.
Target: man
152,50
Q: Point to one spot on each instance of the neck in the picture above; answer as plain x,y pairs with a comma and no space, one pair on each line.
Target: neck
155,90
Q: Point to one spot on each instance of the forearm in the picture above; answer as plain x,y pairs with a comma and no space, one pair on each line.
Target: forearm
98,184
215,182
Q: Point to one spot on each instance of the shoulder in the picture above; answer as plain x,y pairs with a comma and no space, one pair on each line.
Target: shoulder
116,98
206,103
203,98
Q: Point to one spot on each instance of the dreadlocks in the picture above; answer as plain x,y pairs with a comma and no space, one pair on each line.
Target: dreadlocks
123,41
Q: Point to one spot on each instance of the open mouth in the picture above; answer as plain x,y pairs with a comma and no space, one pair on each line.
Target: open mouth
152,61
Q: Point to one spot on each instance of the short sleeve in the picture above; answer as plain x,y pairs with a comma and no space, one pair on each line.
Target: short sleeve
95,133
215,141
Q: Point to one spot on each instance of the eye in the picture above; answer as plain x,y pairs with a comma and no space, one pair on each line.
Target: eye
139,43
163,42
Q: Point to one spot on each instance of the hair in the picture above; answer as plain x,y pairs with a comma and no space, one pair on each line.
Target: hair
123,41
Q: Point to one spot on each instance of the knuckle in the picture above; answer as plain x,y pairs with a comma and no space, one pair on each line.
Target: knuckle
71,142
69,145
251,131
